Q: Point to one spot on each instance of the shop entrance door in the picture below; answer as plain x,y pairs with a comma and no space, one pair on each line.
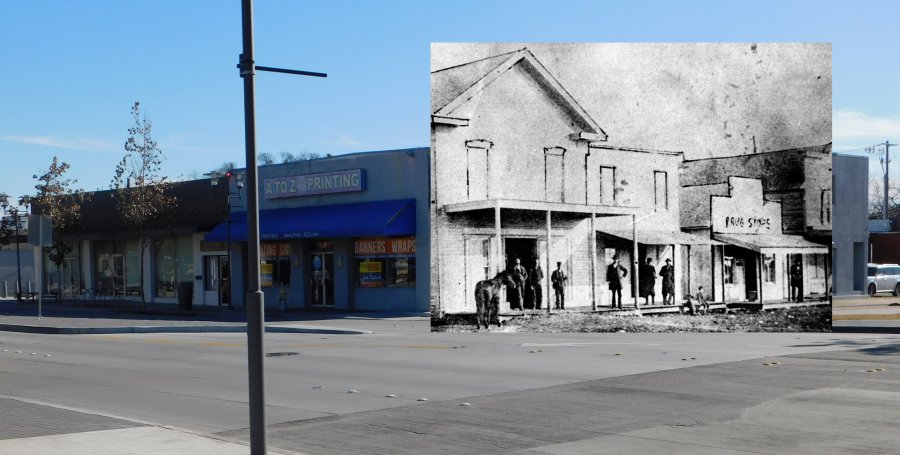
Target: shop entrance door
524,250
322,273
218,283
735,277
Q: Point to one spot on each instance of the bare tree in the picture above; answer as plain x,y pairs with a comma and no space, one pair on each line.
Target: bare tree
141,190
265,159
876,199
7,231
225,167
57,199
288,157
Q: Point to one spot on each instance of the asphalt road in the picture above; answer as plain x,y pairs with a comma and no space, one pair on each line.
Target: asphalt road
533,393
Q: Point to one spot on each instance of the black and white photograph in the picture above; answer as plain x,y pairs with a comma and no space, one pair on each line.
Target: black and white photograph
661,187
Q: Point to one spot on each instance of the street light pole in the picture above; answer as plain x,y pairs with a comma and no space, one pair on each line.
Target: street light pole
254,299
18,257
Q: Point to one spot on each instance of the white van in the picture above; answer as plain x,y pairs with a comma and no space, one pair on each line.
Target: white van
883,278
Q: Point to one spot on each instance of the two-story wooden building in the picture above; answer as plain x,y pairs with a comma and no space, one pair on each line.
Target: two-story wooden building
521,171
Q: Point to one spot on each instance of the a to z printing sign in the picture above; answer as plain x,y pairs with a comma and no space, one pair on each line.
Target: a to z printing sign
311,184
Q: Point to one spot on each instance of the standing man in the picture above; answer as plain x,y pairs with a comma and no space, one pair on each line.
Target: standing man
797,281
667,273
559,286
647,284
614,275
536,279
520,276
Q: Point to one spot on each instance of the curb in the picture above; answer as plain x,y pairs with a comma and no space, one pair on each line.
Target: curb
864,329
170,329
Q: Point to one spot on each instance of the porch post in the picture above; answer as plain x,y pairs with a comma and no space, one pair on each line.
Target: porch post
676,263
761,280
593,241
634,258
549,270
498,246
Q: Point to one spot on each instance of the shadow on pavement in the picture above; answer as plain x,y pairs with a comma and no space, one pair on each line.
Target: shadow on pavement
131,310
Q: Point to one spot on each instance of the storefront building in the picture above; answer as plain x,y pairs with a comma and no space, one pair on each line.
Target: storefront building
751,256
105,257
348,232
851,179
521,173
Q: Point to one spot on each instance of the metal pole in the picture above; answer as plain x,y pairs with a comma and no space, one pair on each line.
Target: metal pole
18,260
255,303
228,252
887,169
40,268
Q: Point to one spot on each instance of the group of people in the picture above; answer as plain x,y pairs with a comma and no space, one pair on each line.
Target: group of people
616,273
528,293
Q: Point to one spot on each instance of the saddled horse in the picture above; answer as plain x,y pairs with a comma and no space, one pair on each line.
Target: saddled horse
487,298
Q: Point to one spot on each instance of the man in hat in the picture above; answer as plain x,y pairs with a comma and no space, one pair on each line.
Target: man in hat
667,273
796,273
647,285
536,279
614,275
520,276
558,278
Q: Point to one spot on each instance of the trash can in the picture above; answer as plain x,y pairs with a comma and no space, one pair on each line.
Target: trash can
185,295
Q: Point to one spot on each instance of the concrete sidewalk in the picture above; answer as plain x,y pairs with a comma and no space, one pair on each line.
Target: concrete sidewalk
864,314
36,428
70,319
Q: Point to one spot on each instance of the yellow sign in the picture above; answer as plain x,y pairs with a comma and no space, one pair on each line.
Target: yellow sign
370,267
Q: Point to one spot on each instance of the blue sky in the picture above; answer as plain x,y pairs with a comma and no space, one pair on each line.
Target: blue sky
73,69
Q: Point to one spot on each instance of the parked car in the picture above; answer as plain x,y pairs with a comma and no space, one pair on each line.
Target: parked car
883,278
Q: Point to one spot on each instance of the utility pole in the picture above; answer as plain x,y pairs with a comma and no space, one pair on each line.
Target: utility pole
254,298
887,170
886,164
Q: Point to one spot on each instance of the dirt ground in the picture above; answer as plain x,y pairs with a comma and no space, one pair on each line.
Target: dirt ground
800,319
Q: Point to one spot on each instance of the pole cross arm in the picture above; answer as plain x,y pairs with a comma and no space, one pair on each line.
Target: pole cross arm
247,67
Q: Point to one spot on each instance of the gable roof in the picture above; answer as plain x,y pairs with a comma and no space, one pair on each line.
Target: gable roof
451,87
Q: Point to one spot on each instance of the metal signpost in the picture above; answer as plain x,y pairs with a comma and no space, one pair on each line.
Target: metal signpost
255,305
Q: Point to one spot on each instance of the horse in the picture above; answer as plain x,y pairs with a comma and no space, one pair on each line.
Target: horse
487,298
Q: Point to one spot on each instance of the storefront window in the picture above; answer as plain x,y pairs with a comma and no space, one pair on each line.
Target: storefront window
385,262
816,263
729,269
132,267
660,190
769,268
174,264
607,185
275,264
66,277
401,272
109,266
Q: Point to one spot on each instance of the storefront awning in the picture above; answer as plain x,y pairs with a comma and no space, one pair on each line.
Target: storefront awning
772,243
364,219
656,237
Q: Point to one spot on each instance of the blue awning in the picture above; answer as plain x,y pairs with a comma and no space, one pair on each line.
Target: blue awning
363,219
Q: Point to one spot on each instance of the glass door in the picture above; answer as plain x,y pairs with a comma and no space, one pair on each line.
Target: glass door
322,275
218,283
